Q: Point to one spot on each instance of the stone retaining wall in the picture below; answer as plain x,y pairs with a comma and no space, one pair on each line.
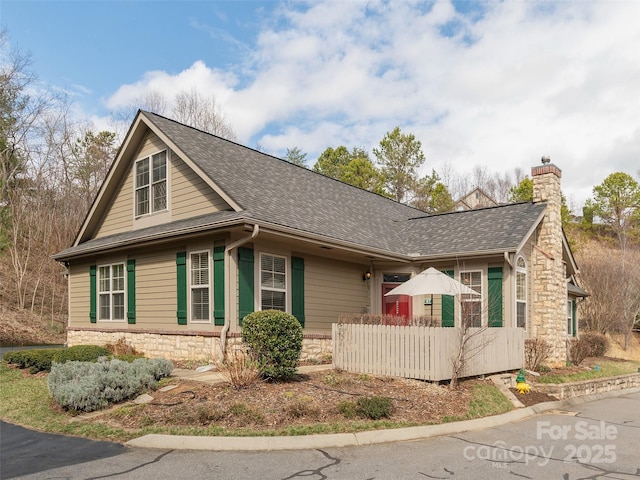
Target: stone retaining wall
588,387
203,347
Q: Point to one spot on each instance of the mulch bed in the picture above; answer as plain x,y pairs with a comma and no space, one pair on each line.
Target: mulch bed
309,399
533,397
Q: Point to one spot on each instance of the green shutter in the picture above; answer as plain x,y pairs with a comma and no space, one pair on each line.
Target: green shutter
131,291
495,296
297,288
181,281
218,285
448,310
245,282
574,317
92,293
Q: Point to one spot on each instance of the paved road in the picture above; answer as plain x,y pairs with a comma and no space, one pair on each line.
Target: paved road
596,440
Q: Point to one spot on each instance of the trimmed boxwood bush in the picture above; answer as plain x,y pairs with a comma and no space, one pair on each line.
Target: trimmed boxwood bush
274,339
36,360
87,386
81,353
40,359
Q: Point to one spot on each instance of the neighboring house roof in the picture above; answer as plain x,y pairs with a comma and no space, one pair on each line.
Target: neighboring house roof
284,197
476,198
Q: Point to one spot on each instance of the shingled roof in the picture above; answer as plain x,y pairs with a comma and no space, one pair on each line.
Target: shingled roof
277,193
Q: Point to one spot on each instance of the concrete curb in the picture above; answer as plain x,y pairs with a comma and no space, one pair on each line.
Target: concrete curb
370,437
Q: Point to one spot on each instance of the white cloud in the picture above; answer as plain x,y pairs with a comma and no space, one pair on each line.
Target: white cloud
523,80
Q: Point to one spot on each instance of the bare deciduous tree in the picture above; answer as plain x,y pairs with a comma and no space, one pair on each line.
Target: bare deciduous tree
203,113
613,280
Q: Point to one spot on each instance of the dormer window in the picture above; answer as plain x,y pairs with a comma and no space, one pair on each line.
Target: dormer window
151,184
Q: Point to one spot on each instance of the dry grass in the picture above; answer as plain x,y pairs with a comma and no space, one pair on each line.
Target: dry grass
239,369
25,328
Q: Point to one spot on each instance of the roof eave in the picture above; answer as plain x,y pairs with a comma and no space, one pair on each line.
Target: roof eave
532,229
152,238
463,255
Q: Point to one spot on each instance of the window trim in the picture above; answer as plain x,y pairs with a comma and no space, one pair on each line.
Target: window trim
111,292
569,315
522,271
190,286
149,186
473,298
287,277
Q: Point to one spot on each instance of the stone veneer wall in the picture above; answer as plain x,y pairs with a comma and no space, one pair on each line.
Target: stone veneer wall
196,346
549,270
588,387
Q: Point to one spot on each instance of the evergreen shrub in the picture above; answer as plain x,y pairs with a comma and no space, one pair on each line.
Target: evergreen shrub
274,340
40,359
36,360
81,353
86,386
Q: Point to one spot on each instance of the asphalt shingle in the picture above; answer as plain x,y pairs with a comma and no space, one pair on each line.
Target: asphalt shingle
272,190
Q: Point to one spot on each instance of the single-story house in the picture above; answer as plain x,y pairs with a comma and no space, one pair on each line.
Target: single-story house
190,232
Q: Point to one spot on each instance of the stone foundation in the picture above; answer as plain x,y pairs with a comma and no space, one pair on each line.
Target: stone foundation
588,387
197,347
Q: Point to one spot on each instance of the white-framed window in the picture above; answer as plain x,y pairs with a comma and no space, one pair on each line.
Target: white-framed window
570,318
472,304
273,282
151,184
111,287
200,286
521,293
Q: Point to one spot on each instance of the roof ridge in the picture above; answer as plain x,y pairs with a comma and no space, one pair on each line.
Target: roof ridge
501,205
310,170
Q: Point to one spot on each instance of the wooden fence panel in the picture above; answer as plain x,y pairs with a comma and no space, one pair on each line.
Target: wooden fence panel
425,353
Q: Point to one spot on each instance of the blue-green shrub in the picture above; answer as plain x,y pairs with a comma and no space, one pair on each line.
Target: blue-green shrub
86,386
274,339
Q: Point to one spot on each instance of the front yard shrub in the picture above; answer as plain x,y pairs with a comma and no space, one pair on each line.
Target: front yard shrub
239,369
81,353
86,386
579,349
36,360
374,408
536,353
40,359
598,343
274,340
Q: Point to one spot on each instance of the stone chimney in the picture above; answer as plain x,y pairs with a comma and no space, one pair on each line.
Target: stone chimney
549,271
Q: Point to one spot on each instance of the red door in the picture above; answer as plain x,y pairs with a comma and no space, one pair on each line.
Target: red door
398,305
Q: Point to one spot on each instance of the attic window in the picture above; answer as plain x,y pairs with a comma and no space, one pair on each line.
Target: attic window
151,184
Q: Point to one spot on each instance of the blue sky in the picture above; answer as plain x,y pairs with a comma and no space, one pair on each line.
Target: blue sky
496,84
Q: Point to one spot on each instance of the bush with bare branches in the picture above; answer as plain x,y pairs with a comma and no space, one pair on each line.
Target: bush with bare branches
392,320
536,353
239,369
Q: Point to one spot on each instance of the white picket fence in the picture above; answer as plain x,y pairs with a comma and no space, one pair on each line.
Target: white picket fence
425,353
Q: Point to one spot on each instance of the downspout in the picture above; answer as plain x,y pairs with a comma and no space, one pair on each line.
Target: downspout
507,259
227,281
